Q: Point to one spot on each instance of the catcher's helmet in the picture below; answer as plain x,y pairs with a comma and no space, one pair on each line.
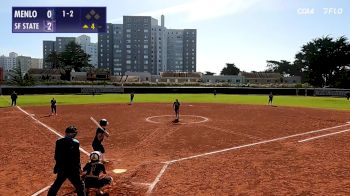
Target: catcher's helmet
71,129
103,122
95,156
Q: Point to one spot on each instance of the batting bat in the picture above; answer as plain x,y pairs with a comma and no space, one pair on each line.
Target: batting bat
98,125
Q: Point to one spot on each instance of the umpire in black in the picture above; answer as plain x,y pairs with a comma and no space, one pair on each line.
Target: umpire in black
67,156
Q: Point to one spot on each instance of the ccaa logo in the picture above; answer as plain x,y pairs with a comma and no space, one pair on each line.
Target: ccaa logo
305,11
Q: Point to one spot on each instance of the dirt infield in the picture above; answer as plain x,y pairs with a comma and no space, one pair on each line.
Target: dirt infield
216,149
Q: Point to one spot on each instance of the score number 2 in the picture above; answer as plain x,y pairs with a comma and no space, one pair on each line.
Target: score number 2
48,24
70,13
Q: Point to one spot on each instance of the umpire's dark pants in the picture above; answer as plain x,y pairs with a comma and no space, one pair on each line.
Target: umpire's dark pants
53,109
74,178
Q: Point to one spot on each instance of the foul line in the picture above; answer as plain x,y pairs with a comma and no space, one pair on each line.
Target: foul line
41,191
153,184
53,131
49,128
168,163
312,138
253,144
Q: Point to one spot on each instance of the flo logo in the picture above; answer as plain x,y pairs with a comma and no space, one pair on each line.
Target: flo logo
332,11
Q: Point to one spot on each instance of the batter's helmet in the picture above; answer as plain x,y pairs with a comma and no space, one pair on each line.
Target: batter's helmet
71,129
103,122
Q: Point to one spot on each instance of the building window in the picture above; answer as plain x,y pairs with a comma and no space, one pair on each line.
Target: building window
128,61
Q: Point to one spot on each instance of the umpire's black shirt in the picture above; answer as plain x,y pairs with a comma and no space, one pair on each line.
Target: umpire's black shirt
67,155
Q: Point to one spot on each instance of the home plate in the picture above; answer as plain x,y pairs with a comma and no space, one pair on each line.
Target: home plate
119,171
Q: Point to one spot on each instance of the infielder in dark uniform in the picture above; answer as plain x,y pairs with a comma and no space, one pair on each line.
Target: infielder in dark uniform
100,133
270,98
176,107
94,173
53,106
14,98
67,156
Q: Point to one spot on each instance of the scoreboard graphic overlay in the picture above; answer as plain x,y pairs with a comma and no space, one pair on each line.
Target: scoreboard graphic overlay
58,19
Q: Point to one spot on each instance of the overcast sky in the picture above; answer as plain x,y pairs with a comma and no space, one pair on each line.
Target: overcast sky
244,32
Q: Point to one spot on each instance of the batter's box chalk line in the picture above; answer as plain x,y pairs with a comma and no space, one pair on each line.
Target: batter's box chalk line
163,119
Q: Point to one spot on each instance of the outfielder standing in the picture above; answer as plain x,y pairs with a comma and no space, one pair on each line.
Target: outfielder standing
100,133
176,107
270,98
53,106
132,97
67,156
14,98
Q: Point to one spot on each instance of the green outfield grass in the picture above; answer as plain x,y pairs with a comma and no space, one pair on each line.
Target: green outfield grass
298,101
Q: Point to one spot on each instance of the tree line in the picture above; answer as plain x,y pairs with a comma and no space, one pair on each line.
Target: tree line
73,57
322,62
